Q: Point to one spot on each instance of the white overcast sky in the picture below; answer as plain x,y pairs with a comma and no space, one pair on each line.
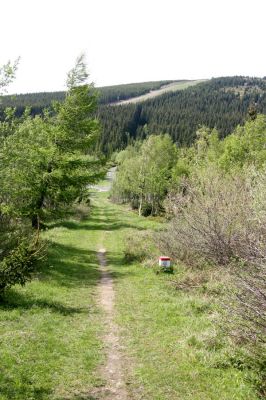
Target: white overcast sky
132,40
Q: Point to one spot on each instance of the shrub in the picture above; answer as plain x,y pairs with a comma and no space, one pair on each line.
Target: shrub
139,247
221,219
18,266
213,221
19,251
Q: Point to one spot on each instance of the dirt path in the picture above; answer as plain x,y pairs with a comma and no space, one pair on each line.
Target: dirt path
112,371
110,176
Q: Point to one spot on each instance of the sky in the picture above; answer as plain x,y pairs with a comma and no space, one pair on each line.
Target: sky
131,40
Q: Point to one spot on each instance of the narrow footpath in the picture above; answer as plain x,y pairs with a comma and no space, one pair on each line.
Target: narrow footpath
112,371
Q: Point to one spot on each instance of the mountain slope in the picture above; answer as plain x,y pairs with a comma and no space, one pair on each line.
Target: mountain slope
107,95
171,87
161,107
221,102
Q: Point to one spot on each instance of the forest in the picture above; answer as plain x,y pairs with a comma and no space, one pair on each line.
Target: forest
220,103
108,94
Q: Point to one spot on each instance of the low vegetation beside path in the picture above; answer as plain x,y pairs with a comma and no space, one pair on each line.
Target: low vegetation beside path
52,330
173,346
213,195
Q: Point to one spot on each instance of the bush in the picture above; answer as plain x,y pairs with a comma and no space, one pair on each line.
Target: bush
18,266
19,250
146,209
213,221
221,219
139,247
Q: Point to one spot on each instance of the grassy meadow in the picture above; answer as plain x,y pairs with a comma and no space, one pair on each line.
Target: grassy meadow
51,329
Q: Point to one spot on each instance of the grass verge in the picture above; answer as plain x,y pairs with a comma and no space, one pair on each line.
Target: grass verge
49,330
168,335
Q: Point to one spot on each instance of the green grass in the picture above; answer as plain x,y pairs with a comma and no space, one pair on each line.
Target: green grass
50,330
168,335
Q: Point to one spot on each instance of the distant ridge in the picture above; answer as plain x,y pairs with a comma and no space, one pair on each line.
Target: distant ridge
170,87
178,108
220,103
107,94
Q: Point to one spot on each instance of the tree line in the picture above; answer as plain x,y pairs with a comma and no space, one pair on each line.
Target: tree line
46,165
213,196
220,103
107,94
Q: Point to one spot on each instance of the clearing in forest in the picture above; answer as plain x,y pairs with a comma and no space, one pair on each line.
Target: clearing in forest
171,87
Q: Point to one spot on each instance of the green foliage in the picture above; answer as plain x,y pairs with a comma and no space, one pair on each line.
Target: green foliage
7,74
18,266
221,103
217,205
144,173
25,157
246,146
79,74
46,164
78,130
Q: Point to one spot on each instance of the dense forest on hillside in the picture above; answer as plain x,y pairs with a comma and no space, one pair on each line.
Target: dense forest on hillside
36,101
222,103
106,94
110,94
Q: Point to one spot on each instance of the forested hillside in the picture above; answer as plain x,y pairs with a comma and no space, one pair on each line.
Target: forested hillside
106,95
222,103
110,94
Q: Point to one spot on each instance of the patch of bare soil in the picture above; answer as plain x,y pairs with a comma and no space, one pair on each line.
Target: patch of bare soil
112,371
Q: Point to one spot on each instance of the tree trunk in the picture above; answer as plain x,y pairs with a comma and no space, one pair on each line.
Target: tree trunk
35,219
140,205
